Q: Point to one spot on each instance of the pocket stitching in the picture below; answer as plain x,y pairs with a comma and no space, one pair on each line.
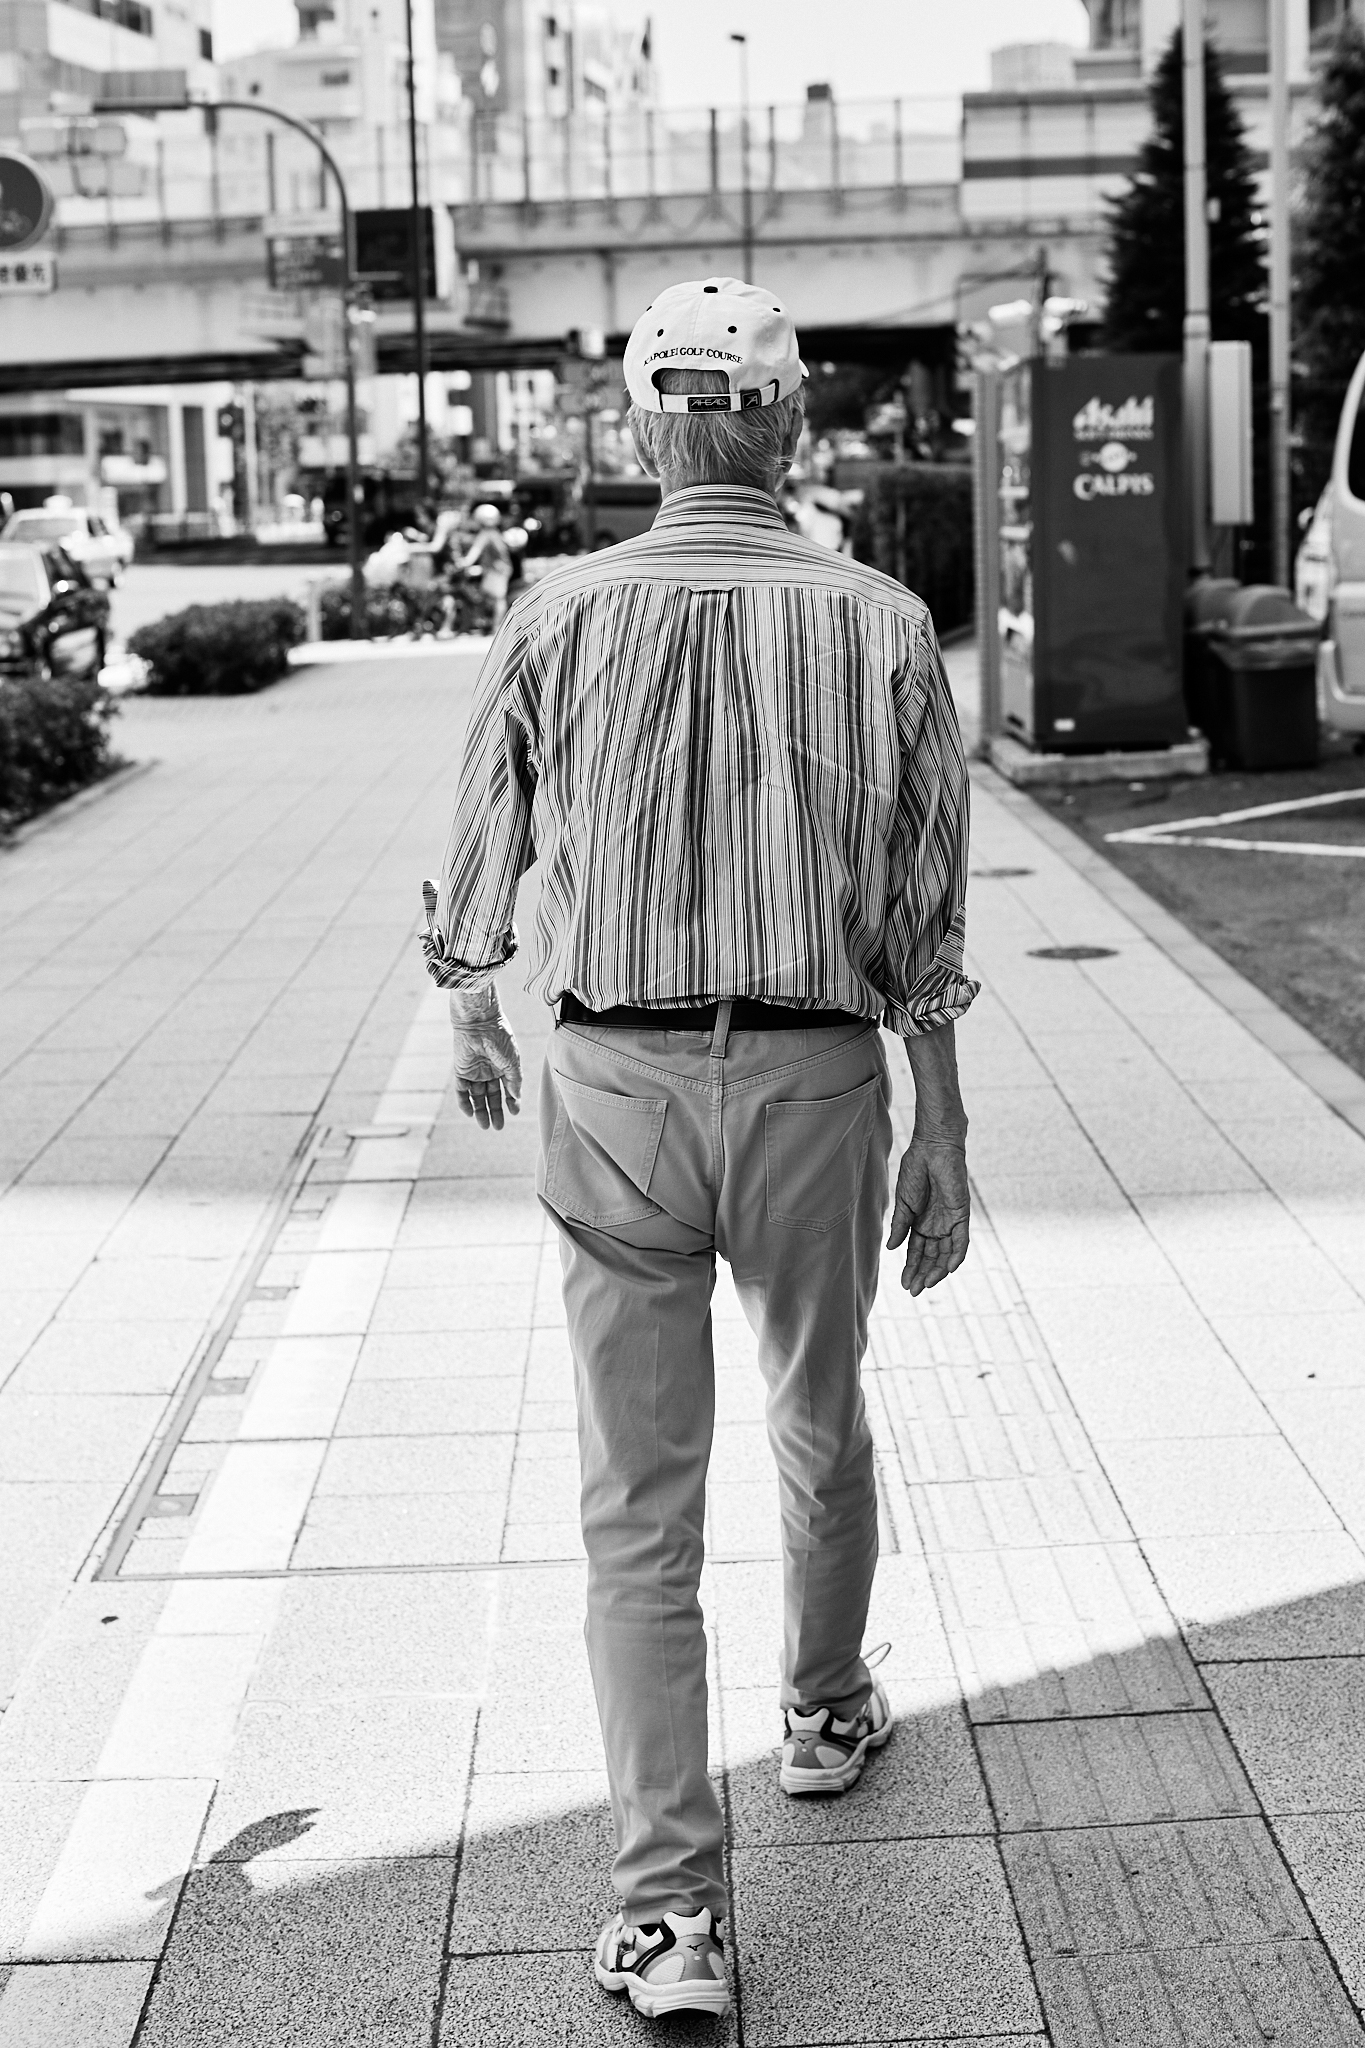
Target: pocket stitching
779,1109
576,1212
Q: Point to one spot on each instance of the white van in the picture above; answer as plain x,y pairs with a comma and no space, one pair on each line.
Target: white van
1341,655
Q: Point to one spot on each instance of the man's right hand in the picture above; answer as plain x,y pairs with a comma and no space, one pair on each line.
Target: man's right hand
487,1063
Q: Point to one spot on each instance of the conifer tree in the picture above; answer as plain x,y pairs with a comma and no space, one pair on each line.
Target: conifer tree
1146,306
1329,280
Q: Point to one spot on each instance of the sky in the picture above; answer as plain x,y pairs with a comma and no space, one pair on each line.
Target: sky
865,49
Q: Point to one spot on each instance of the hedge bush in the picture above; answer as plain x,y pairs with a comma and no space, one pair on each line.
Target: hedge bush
915,523
219,650
54,738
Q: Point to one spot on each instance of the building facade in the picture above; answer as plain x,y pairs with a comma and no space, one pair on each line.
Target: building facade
69,48
1048,153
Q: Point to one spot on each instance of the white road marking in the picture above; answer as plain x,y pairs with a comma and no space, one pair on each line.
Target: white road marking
252,1514
299,1390
115,1884
1180,831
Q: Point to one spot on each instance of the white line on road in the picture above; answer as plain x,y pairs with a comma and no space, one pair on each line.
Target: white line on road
1180,831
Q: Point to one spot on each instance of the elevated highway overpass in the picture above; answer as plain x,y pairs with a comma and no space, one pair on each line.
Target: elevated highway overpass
874,273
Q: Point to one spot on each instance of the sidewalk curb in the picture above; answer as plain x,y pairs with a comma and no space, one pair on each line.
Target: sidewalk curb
1025,769
320,653
79,800
1329,1078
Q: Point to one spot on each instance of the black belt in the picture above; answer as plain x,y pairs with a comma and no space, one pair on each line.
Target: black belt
745,1015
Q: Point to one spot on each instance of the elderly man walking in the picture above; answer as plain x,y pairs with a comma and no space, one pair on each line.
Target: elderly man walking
735,758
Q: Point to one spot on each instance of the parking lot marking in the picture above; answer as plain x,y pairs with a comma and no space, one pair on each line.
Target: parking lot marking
1181,831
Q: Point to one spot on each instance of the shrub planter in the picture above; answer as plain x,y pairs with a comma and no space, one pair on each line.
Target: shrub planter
54,740
915,523
219,650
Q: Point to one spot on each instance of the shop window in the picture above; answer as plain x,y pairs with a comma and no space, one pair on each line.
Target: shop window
40,433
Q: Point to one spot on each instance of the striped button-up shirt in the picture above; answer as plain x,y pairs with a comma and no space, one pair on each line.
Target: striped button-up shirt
735,757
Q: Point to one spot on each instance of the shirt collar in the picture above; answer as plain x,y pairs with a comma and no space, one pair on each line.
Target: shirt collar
704,504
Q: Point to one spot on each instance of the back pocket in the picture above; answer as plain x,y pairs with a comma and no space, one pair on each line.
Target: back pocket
816,1152
601,1157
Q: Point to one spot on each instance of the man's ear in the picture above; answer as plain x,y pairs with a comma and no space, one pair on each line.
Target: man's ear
791,440
642,453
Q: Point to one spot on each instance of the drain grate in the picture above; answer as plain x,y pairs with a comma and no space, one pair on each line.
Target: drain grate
1072,953
1000,874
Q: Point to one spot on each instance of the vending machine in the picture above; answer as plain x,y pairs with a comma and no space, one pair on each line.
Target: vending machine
1092,553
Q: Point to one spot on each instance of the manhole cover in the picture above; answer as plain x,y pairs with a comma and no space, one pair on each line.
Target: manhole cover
999,874
1071,953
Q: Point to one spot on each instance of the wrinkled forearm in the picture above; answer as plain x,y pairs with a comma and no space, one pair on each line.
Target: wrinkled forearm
475,1006
939,1110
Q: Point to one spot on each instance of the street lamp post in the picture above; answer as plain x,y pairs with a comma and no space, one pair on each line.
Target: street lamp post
1279,288
746,190
182,104
417,256
1196,328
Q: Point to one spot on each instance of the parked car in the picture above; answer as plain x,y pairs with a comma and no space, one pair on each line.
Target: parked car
54,620
387,505
1341,654
103,549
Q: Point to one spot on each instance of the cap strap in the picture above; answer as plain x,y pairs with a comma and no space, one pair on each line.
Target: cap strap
720,401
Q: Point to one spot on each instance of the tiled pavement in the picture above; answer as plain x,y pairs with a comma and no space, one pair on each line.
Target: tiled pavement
300,1747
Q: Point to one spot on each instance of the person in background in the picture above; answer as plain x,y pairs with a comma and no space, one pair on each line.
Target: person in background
491,558
735,758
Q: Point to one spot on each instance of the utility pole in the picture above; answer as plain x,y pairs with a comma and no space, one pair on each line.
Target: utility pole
746,190
1279,289
1196,330
1042,278
417,260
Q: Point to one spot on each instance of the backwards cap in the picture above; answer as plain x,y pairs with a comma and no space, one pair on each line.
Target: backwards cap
716,323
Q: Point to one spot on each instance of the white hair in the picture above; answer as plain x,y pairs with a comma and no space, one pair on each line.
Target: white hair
717,447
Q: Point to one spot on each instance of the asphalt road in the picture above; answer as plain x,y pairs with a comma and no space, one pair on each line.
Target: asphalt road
149,590
1293,923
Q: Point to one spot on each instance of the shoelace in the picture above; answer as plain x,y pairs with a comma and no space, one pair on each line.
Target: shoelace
872,1658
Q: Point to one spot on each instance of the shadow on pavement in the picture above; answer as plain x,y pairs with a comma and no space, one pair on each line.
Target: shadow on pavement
1150,1872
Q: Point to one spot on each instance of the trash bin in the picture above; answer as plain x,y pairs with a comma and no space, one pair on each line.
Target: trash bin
1206,609
1260,685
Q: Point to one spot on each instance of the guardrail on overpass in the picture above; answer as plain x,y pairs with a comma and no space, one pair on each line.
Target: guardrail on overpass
245,168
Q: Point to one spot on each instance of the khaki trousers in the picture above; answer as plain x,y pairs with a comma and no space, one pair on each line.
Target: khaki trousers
660,1150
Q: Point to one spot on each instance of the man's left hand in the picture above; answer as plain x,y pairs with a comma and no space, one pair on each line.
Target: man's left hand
934,1204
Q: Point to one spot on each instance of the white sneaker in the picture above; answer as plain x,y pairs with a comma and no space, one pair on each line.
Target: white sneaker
823,1754
678,1966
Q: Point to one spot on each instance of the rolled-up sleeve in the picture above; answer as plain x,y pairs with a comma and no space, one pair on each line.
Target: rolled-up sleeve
490,846
922,979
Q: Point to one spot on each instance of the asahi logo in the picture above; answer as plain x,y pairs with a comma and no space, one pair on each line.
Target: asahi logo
1134,420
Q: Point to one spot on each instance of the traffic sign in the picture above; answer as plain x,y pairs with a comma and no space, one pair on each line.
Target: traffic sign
65,135
305,263
27,276
25,203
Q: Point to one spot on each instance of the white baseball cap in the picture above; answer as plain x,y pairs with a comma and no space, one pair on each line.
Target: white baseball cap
715,323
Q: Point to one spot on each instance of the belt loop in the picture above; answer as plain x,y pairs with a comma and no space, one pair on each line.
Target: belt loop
721,1034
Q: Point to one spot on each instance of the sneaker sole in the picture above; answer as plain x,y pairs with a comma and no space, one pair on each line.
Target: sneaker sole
797,1784
652,2001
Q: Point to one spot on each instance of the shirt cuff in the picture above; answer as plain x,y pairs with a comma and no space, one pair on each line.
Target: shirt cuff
941,998
467,974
